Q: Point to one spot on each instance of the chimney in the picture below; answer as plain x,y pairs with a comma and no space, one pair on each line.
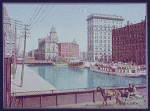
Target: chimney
127,22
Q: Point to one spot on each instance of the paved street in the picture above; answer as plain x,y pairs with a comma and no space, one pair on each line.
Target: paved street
98,105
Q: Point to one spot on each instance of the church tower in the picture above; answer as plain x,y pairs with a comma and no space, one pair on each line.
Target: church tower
53,35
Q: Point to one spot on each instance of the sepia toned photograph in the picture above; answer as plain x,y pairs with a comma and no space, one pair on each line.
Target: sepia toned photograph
75,55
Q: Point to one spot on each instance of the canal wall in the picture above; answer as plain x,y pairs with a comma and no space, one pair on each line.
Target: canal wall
31,81
61,98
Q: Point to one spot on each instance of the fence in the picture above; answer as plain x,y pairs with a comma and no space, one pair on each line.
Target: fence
43,100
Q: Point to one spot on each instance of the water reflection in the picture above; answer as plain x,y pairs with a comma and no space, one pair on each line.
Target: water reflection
68,77
41,71
79,70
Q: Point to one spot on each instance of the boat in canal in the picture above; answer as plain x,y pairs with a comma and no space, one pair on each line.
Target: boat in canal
76,64
119,69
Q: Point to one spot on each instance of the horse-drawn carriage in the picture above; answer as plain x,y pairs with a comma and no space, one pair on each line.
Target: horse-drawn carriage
121,98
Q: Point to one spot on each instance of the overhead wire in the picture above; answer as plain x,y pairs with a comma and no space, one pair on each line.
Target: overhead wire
44,17
57,14
35,16
39,16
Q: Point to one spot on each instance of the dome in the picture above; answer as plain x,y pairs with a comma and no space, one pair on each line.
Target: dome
53,30
74,41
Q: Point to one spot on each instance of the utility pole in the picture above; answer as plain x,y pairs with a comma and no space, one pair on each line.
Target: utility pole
22,72
15,56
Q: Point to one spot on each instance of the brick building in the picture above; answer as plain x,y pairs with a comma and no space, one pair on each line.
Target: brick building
129,43
69,51
33,53
9,40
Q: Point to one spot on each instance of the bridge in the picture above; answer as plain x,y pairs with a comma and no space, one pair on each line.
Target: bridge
36,62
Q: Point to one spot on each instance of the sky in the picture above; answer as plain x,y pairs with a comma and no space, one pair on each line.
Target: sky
68,19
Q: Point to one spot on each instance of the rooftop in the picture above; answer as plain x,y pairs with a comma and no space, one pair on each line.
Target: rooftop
104,16
53,30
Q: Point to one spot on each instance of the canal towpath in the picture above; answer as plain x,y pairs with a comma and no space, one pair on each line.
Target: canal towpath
31,81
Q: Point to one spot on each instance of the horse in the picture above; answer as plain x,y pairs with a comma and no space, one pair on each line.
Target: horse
107,94
126,94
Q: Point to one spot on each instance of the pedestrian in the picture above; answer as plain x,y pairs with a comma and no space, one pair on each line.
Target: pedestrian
130,89
133,93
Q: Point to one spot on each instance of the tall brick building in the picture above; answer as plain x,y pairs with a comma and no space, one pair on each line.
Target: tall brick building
129,43
69,50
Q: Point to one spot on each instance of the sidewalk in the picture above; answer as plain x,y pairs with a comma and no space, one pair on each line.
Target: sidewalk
31,81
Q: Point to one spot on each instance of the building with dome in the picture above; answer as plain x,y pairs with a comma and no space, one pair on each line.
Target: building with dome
48,47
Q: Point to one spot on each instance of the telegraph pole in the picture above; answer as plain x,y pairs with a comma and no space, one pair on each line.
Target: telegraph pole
15,56
22,72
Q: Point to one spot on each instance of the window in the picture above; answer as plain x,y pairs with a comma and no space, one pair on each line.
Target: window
133,71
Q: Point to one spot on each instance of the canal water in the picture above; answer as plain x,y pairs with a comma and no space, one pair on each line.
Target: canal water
64,77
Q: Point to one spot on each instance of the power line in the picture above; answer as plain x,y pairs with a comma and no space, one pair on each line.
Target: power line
17,23
54,15
44,17
12,19
36,15
39,17
33,14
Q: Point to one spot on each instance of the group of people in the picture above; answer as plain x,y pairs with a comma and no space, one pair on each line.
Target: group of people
131,91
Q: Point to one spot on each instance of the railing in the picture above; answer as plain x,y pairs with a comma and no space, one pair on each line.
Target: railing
49,98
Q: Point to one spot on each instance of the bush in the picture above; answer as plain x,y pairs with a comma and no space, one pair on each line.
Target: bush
12,70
